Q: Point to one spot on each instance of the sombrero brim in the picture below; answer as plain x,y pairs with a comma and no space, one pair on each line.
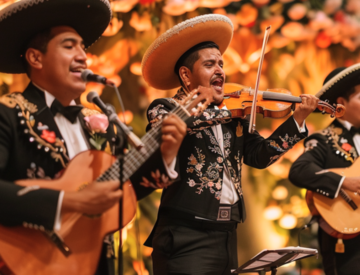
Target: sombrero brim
22,20
340,84
160,58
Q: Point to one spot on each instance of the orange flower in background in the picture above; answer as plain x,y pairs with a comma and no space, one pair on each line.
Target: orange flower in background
322,40
144,2
123,5
113,28
140,23
247,15
128,117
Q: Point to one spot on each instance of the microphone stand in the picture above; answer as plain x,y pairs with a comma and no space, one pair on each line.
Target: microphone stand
133,141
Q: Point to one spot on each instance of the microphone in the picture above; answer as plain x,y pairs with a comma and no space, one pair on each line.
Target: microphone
88,76
93,97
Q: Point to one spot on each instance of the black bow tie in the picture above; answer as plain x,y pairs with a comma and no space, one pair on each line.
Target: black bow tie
354,130
70,112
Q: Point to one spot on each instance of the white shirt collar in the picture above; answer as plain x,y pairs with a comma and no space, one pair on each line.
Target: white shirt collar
345,123
49,98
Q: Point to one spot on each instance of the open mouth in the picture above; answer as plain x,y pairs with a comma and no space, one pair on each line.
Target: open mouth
77,71
217,84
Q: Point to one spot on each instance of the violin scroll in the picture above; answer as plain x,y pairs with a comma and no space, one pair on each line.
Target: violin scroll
338,110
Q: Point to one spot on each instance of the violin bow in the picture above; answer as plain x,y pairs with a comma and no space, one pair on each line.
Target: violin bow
252,124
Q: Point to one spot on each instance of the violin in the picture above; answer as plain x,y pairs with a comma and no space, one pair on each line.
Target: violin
273,103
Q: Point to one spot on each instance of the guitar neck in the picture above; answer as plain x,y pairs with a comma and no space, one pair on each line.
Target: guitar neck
135,158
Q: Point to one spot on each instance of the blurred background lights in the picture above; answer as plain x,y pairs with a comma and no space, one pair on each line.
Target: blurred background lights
288,221
280,193
272,212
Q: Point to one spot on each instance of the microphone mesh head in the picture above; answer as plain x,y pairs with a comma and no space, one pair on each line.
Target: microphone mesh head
90,97
85,73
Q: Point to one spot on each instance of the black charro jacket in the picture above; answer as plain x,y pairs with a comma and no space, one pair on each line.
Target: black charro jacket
332,147
31,146
201,162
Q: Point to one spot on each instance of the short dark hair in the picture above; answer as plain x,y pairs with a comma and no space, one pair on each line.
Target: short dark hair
39,42
348,93
191,56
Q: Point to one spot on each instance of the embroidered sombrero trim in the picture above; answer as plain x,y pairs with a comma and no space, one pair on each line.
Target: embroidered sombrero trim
182,26
337,78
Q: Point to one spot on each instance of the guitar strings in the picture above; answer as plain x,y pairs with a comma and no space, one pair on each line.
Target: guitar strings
134,159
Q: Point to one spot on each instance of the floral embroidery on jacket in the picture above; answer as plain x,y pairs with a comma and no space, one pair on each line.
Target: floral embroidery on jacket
333,136
210,179
36,172
288,143
46,140
160,180
311,144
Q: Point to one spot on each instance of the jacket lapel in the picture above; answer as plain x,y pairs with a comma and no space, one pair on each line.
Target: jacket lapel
45,131
343,142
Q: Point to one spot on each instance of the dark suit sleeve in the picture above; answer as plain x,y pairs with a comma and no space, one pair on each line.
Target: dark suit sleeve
37,207
260,152
210,117
153,174
308,170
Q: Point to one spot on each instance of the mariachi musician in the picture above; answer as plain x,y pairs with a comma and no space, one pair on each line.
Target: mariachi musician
338,145
195,232
42,129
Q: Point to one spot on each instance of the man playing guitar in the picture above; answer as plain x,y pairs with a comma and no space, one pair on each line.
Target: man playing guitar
336,146
41,129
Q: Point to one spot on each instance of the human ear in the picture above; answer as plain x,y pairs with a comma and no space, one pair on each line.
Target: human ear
184,75
34,58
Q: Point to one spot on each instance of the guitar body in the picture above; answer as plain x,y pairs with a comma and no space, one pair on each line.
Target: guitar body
338,218
29,251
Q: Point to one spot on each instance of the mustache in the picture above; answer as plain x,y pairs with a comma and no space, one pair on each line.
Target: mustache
215,77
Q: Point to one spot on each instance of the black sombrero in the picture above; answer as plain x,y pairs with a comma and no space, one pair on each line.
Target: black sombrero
338,82
22,20
160,58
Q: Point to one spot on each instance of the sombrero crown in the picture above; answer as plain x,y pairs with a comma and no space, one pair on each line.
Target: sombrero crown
338,82
160,58
22,20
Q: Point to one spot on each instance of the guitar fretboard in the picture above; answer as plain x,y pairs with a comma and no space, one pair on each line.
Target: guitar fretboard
135,158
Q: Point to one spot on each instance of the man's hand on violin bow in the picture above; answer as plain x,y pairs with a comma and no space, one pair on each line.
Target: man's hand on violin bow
306,107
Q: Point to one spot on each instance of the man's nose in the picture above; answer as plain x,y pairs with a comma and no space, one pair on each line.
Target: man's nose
81,55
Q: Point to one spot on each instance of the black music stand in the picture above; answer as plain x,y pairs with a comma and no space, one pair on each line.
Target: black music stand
270,260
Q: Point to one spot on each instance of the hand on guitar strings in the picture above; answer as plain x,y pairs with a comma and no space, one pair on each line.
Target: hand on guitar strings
94,199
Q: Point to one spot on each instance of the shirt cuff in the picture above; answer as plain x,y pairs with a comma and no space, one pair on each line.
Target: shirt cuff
57,223
170,170
338,190
301,129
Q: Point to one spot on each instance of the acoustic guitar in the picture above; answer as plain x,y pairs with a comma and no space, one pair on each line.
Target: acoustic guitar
339,217
76,248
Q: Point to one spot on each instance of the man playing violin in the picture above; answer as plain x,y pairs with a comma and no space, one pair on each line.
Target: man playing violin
195,232
338,145
41,129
